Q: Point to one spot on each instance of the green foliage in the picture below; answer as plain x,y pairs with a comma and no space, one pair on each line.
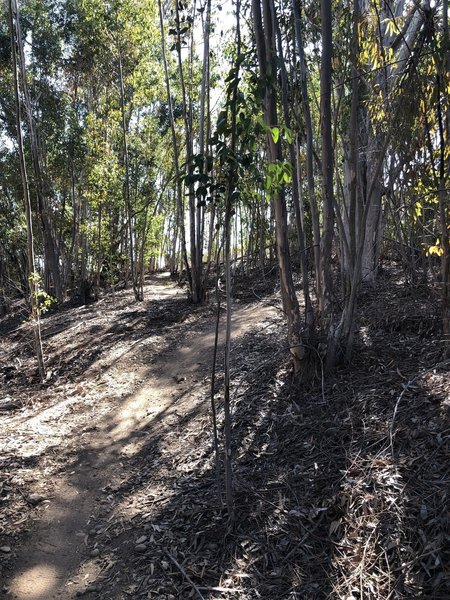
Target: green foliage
74,50
42,301
277,175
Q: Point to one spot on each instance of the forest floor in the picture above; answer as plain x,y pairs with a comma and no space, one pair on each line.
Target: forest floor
107,473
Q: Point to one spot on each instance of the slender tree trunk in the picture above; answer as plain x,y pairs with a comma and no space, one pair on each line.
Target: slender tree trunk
72,256
309,153
141,263
195,267
176,154
99,251
50,246
126,185
211,238
351,159
265,44
204,104
33,284
327,160
301,237
232,184
444,178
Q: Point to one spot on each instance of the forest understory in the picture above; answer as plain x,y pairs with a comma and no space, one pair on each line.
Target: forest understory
107,478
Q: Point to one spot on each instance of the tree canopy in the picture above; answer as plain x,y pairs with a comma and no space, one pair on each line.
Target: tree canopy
185,135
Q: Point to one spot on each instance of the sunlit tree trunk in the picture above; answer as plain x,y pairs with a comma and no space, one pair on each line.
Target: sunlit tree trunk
50,247
176,152
126,185
33,284
197,292
203,127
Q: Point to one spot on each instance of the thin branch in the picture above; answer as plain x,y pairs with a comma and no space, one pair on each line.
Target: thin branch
185,575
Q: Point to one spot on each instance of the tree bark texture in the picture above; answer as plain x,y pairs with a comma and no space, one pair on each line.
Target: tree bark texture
265,44
16,42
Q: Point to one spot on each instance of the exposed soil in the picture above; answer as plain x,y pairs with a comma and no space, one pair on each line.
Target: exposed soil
107,476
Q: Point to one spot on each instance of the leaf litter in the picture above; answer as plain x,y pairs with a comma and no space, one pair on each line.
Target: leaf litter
325,505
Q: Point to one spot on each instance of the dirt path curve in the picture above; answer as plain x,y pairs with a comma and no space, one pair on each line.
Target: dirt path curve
144,374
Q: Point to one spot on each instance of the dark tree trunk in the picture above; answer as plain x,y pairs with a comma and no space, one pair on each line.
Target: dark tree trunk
265,44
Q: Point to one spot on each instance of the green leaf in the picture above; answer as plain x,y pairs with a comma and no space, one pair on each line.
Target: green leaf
288,134
275,131
287,177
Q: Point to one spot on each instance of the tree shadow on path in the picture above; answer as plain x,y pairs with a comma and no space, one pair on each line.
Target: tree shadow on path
322,507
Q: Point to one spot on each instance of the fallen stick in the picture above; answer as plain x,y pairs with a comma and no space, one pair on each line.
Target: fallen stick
219,589
186,576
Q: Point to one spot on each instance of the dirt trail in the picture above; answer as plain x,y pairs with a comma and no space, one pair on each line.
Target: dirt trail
89,429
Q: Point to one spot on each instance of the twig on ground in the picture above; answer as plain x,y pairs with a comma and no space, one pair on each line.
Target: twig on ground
220,589
185,575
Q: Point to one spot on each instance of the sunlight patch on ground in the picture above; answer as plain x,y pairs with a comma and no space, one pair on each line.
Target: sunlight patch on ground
36,583
135,410
364,333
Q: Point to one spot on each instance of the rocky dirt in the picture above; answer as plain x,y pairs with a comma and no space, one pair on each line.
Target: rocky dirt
107,476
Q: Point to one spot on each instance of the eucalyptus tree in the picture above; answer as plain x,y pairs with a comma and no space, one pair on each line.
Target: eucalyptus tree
128,33
309,135
45,50
443,115
382,68
194,93
17,57
263,14
120,88
423,166
366,76
13,249
327,159
13,262
180,212
288,99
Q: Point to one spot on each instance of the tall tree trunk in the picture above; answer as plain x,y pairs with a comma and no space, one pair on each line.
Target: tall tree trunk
444,178
309,152
126,185
373,234
301,236
50,246
176,152
203,126
32,277
327,161
232,185
351,160
265,44
195,281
